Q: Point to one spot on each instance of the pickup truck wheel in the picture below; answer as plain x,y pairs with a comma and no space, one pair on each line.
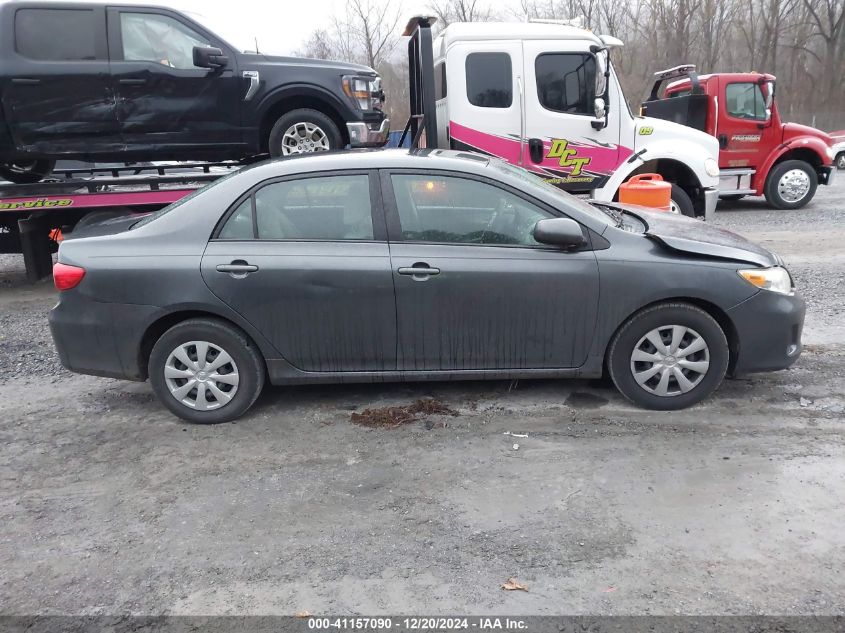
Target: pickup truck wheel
681,202
840,160
26,171
791,184
303,132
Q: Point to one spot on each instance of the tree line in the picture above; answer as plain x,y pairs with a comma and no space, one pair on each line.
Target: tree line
802,42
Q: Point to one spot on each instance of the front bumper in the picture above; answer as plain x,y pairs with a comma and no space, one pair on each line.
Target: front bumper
768,328
361,134
711,197
826,174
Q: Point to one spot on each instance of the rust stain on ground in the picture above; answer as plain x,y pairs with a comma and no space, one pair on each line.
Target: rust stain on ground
393,417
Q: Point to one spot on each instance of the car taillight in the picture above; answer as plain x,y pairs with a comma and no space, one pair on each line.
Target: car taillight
66,276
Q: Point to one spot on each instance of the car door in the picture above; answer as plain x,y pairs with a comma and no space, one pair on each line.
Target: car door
164,101
563,144
305,260
742,124
474,290
58,99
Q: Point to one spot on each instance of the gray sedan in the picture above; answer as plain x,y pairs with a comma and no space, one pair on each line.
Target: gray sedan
424,265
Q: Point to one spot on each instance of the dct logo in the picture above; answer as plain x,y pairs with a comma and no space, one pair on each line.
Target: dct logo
567,158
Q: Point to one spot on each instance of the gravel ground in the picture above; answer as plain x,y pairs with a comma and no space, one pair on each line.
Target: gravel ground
736,506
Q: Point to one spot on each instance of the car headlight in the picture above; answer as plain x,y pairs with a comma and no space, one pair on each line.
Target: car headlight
776,279
711,167
365,92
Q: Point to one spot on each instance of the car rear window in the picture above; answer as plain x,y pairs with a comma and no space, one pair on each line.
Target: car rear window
62,35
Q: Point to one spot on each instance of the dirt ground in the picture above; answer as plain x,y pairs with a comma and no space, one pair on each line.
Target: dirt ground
736,506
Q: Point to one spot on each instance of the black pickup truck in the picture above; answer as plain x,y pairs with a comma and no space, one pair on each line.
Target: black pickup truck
91,81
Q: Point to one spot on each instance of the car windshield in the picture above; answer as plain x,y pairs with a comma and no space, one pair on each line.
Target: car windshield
566,199
155,216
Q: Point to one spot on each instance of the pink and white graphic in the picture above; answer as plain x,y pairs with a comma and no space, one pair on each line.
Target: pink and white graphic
566,162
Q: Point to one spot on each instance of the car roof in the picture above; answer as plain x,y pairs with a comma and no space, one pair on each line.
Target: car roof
445,159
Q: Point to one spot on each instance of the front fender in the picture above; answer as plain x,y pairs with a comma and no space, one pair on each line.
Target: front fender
804,143
267,102
682,151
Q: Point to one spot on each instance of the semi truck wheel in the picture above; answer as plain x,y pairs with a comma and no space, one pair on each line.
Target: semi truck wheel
681,202
26,171
791,184
304,131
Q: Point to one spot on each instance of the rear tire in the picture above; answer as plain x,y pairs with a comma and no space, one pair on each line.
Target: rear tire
791,184
206,371
26,172
681,202
687,367
304,131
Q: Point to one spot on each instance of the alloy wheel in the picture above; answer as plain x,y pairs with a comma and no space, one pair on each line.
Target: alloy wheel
670,360
304,138
794,185
201,375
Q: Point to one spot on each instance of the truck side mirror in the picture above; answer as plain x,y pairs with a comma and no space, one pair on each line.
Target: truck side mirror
209,57
598,107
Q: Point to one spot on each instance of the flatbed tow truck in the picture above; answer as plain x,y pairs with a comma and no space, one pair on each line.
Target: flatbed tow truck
35,217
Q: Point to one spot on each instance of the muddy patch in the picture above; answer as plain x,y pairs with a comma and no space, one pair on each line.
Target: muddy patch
585,400
393,417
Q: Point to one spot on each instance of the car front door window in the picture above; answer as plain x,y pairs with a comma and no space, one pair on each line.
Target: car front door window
159,39
446,209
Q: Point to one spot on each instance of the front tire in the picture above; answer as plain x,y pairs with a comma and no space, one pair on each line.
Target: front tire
206,371
668,357
681,203
840,160
26,172
304,131
791,184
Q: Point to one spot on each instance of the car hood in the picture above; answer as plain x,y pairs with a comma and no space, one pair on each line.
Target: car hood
687,235
258,60
795,130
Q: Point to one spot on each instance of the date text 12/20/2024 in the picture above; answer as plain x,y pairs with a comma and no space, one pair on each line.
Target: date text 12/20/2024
417,624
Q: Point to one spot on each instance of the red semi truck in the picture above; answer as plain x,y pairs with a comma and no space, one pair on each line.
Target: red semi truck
758,153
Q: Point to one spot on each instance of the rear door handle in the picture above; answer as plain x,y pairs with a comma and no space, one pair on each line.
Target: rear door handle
419,271
237,268
25,81
132,82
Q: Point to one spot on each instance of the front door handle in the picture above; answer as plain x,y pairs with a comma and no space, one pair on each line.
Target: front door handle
419,271
237,268
132,82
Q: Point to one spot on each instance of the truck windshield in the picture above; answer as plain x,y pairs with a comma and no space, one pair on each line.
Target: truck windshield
566,199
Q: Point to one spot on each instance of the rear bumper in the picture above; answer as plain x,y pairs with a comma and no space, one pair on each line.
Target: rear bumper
768,327
363,134
101,339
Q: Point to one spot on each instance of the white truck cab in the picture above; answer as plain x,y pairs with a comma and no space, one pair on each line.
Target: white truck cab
544,96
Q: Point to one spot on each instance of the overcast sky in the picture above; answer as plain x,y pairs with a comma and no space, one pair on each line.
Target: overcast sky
281,26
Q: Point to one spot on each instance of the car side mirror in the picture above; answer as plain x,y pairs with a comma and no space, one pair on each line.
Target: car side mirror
209,57
559,232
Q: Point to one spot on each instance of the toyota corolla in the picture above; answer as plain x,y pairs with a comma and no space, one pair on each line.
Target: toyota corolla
424,265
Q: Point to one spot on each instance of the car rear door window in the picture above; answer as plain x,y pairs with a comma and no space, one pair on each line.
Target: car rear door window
151,37
489,80
566,82
322,208
454,210
239,226
61,35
